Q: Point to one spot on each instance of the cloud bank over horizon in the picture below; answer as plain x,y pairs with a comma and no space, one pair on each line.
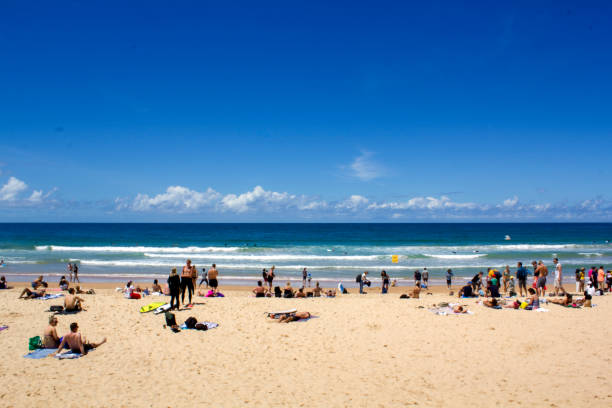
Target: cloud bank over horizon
266,205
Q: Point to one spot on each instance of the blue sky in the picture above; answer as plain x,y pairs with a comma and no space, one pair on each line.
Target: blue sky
305,111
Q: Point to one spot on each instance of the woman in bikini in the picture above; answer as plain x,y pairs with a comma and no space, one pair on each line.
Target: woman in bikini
50,338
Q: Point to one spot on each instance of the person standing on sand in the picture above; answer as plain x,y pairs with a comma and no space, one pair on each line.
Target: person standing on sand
204,278
75,270
542,271
174,285
417,277
536,274
449,278
271,276
385,282
212,278
304,277
558,277
70,270
186,281
521,276
425,276
506,278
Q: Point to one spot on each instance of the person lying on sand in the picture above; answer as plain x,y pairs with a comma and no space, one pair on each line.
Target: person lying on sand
32,294
50,338
460,309
566,301
73,302
75,342
290,317
493,303
80,291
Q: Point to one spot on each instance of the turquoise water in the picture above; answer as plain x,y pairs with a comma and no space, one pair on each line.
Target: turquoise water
331,252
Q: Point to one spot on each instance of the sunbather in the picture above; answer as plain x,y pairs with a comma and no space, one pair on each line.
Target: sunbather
73,302
566,301
493,303
74,341
416,291
50,338
259,290
32,294
459,309
290,317
288,291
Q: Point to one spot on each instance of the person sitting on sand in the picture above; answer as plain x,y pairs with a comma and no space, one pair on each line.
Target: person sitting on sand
477,281
300,293
416,291
74,341
73,302
493,289
466,291
63,283
3,284
32,294
316,291
288,292
80,291
259,291
534,300
156,287
39,282
330,293
50,338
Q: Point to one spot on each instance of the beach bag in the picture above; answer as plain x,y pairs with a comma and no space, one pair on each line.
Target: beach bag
523,305
34,343
56,308
358,278
170,319
191,322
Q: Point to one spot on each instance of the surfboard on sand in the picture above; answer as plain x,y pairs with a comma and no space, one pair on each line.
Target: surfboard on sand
282,312
151,306
162,309
340,287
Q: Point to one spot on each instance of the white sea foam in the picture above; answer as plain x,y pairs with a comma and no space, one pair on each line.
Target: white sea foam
136,249
590,253
271,257
456,256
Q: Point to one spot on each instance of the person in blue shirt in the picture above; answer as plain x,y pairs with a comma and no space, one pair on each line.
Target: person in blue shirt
449,277
521,276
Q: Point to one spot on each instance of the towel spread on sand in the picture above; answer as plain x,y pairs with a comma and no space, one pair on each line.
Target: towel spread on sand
70,355
53,296
210,325
3,328
40,353
444,311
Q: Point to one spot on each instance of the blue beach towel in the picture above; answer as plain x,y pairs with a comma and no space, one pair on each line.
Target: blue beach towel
54,296
70,355
40,353
210,325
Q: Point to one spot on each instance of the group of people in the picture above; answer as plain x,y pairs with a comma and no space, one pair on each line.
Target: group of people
289,292
73,272
73,340
186,282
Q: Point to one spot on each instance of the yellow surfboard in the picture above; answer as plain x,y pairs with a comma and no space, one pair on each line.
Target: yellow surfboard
151,306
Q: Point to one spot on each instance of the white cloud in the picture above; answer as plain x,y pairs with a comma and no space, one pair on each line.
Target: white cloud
36,197
178,198
354,202
511,202
365,168
243,202
11,189
422,203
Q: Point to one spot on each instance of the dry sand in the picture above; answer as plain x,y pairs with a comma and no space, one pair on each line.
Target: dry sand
369,350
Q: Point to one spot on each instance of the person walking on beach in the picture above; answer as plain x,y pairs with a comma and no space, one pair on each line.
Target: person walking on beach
213,275
304,277
417,278
194,277
174,285
558,277
385,281
601,278
536,274
186,281
70,270
204,278
271,276
449,278
425,276
75,270
363,281
542,271
521,276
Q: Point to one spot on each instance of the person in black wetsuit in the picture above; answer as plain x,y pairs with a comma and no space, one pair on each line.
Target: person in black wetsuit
174,284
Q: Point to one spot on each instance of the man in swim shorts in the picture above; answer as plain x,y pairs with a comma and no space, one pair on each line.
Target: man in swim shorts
32,294
73,302
212,278
75,343
542,272
558,277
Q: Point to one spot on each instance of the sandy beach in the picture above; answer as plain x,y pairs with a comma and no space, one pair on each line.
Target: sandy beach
360,350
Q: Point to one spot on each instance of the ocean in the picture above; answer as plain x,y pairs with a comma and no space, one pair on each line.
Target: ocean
331,252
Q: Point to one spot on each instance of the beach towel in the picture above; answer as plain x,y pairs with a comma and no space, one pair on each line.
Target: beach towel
3,328
541,309
53,296
210,325
40,353
445,311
